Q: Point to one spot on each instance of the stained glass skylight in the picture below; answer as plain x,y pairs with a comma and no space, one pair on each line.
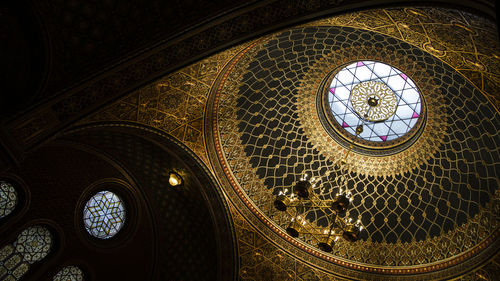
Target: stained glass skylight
104,215
398,100
69,273
8,198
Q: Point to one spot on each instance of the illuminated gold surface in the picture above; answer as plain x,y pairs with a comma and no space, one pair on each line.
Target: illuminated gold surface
462,40
176,104
387,165
424,256
386,103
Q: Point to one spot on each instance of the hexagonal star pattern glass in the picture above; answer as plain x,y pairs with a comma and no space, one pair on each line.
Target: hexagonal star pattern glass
408,100
8,198
34,243
104,215
69,273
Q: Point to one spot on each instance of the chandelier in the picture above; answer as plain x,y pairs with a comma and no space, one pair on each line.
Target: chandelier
302,197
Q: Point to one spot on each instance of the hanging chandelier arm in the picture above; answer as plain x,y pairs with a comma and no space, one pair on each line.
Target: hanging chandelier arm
308,199
359,130
332,225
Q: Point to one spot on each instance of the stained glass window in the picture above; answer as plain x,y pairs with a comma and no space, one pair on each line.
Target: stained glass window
8,198
398,104
104,215
69,273
34,243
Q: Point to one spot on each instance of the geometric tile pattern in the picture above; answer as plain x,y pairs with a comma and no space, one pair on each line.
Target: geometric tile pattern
173,104
461,39
406,93
261,260
34,243
265,148
104,215
8,198
12,266
69,273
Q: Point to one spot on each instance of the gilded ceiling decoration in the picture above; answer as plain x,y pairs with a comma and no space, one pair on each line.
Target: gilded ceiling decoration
427,196
261,260
174,104
462,40
429,201
361,93
404,153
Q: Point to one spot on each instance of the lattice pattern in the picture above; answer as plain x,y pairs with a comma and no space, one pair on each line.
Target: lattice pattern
8,198
267,149
34,243
404,89
464,41
104,215
69,273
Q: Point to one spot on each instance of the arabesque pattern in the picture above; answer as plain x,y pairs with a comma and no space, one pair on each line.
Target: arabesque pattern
462,41
174,104
466,42
434,198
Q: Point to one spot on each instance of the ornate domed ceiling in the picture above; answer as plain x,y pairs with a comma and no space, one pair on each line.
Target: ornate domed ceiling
261,115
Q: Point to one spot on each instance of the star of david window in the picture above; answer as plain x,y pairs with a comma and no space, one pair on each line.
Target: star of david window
104,215
382,97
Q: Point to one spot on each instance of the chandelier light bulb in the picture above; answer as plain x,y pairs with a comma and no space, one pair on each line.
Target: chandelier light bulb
174,179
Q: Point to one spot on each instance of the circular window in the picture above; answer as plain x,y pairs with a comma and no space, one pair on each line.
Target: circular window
378,96
8,198
104,215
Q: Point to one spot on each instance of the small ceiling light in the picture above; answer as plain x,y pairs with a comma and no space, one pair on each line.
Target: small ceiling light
174,179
